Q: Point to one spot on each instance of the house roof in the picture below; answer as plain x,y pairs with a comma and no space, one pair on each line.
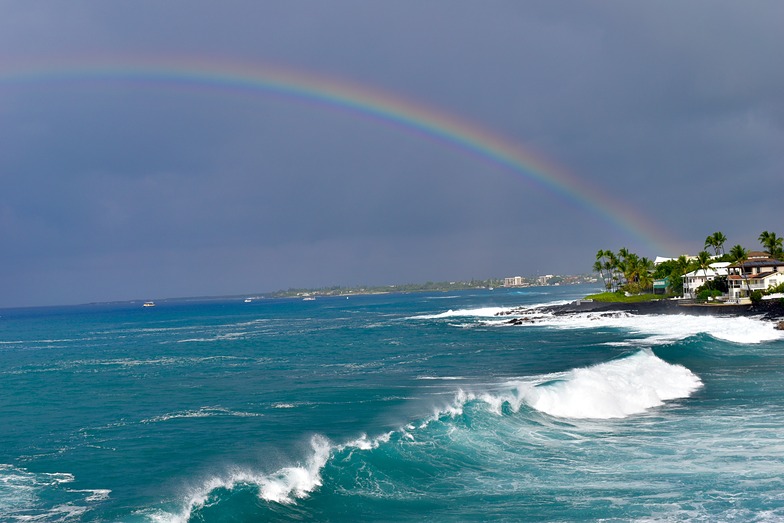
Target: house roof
709,272
760,276
759,262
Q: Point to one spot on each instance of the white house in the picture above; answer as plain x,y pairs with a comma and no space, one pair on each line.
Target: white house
514,281
695,279
758,273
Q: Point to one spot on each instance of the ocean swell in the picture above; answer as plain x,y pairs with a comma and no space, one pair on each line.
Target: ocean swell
614,389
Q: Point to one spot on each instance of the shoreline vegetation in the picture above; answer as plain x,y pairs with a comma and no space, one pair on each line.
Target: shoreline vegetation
631,282
629,278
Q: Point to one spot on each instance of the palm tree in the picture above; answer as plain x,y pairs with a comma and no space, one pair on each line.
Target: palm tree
599,266
703,262
645,274
720,240
676,276
716,241
738,254
613,265
640,273
626,261
772,244
631,271
709,242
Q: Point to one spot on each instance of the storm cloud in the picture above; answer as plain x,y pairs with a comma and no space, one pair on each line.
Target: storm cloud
116,190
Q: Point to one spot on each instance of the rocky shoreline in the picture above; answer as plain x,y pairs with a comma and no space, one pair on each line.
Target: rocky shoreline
767,310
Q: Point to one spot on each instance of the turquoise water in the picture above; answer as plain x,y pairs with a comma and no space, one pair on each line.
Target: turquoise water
389,407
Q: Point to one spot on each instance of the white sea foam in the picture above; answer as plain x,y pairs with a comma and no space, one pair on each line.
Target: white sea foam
21,492
217,337
483,312
365,443
659,328
203,412
665,328
93,494
488,312
615,389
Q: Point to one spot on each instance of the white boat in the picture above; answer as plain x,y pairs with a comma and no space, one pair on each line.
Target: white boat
309,298
248,300
149,304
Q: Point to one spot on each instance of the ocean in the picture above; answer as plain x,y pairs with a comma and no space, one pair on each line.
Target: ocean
393,407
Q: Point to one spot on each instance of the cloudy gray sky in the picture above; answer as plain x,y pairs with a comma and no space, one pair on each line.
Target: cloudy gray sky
113,189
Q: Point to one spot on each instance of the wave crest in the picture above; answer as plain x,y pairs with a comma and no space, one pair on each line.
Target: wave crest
615,389
665,328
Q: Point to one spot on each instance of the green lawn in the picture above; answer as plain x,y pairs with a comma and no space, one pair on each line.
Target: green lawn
616,297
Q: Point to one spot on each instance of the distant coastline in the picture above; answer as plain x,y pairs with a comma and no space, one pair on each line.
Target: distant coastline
442,286
335,291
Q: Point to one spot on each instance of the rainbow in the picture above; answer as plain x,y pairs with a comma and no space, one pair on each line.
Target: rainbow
381,106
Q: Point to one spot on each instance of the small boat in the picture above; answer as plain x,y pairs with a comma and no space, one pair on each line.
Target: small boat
309,298
248,300
149,304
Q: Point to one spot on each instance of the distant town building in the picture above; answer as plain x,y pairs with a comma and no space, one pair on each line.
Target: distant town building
544,280
548,279
514,281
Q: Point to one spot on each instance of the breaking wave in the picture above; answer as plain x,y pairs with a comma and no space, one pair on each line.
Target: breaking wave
484,312
615,389
283,486
658,328
666,328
